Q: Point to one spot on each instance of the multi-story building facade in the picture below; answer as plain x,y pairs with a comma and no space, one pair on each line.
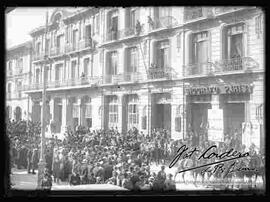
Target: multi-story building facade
18,71
151,67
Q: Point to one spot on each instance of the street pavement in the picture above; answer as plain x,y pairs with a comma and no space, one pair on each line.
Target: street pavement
21,180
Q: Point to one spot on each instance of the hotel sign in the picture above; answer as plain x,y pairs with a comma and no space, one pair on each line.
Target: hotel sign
227,89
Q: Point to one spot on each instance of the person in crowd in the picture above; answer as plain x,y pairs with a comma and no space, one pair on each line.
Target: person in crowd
75,179
29,161
34,160
46,182
169,184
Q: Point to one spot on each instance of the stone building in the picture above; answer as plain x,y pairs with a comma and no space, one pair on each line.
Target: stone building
18,71
177,68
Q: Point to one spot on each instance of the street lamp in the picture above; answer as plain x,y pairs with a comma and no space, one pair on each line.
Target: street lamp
42,162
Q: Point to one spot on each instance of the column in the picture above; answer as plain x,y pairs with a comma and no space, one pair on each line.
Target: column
51,104
120,112
64,114
80,110
149,112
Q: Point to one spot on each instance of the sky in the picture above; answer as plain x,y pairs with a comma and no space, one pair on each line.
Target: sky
21,21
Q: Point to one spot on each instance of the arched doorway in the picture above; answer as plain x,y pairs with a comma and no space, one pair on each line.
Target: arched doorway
18,113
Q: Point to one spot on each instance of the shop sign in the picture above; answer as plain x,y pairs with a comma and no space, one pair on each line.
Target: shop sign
215,120
227,89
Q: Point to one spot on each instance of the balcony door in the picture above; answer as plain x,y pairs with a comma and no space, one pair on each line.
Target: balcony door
88,35
163,60
75,39
200,54
58,72
60,44
114,26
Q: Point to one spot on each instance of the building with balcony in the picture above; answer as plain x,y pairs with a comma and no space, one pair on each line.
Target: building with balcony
18,72
150,67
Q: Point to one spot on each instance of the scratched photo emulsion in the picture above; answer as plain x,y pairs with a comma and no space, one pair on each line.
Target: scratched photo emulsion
163,99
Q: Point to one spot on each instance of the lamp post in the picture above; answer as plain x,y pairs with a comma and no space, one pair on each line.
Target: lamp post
42,162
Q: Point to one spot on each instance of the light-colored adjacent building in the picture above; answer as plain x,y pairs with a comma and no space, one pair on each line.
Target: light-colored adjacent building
18,73
152,67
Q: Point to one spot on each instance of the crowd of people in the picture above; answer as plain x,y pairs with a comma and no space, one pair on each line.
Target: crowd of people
109,157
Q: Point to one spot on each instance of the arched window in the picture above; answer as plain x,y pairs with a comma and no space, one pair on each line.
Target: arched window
8,112
133,111
113,111
178,119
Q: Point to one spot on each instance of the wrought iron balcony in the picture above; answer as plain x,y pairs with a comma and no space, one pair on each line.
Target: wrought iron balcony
159,73
193,13
71,47
57,51
39,56
163,22
226,65
199,69
236,64
227,9
85,44
113,35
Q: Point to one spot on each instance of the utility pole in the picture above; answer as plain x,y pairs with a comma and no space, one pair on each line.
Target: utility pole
42,162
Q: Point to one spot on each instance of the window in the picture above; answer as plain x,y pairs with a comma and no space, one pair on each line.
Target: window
258,26
86,66
178,119
58,72
133,18
113,26
234,41
113,110
76,110
47,46
200,48
38,48
178,41
163,54
75,39
10,67
113,63
88,113
97,24
60,44
133,111
164,12
73,69
67,34
37,75
144,118
9,88
132,60
46,73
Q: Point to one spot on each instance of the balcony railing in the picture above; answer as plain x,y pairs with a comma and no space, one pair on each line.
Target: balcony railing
57,51
71,48
85,44
159,73
39,56
66,83
236,64
113,35
199,69
226,9
226,65
193,13
163,22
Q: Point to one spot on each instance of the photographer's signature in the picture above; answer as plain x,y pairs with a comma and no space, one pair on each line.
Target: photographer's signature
219,165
